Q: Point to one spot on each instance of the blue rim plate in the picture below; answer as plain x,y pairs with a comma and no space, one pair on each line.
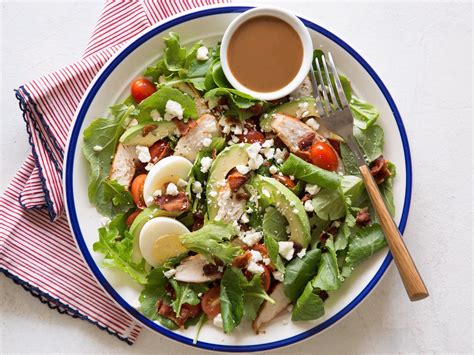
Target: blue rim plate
73,148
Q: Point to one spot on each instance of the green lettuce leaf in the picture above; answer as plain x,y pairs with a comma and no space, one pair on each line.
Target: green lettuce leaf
371,141
254,295
364,113
213,240
121,198
308,306
117,244
154,290
299,272
367,241
240,99
231,299
328,277
186,293
310,173
157,101
274,224
104,133
272,248
386,189
175,55
333,204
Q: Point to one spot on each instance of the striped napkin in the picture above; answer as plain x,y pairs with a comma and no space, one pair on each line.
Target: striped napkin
37,250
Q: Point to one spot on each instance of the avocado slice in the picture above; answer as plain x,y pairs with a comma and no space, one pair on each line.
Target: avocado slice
274,193
134,135
288,108
138,223
228,159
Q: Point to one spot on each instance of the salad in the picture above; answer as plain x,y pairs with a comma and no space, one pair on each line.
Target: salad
227,208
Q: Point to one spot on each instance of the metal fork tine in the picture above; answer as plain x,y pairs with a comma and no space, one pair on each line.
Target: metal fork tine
327,104
339,88
314,82
332,95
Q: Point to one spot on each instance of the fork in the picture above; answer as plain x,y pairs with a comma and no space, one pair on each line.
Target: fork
337,117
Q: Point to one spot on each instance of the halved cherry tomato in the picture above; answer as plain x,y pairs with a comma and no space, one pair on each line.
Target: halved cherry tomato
142,88
323,155
132,217
137,190
210,302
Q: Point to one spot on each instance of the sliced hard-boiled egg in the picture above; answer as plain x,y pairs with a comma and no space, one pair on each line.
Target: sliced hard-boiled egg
169,169
159,240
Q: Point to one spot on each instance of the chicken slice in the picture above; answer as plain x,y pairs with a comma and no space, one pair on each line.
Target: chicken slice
269,311
191,270
189,145
124,165
292,131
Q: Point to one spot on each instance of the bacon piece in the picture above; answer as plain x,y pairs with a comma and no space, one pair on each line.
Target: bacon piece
198,221
363,217
160,150
184,127
304,154
306,141
241,261
147,129
178,203
379,170
166,311
236,180
252,136
306,197
285,180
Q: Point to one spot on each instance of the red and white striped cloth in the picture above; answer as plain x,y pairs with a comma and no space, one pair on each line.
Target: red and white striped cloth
36,248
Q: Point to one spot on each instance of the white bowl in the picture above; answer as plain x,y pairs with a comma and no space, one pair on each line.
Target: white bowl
112,85
300,29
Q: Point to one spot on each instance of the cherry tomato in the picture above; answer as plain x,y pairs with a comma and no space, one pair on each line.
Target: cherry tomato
142,88
137,190
132,217
190,311
210,302
323,155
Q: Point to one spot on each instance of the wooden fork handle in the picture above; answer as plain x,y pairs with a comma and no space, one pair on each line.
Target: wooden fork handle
411,278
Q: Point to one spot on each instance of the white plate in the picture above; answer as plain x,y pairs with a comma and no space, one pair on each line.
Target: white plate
111,85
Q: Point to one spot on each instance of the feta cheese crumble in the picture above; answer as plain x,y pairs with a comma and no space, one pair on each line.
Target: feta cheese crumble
169,273
155,115
312,123
218,322
143,153
206,142
197,187
97,148
312,189
277,275
254,268
308,206
273,169
173,109
266,193
301,253
286,250
251,237
205,164
280,155
202,53
172,189
242,169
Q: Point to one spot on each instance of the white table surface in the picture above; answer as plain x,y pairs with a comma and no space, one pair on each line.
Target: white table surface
423,53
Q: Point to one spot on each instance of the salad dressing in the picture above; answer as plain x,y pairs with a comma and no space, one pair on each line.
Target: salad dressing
265,53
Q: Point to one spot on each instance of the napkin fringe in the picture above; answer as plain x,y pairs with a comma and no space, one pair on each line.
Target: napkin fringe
49,203
60,307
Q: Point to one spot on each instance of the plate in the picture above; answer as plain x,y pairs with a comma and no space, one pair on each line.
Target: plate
112,84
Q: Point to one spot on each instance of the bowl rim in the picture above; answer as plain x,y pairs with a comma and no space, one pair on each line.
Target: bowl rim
291,20
71,149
